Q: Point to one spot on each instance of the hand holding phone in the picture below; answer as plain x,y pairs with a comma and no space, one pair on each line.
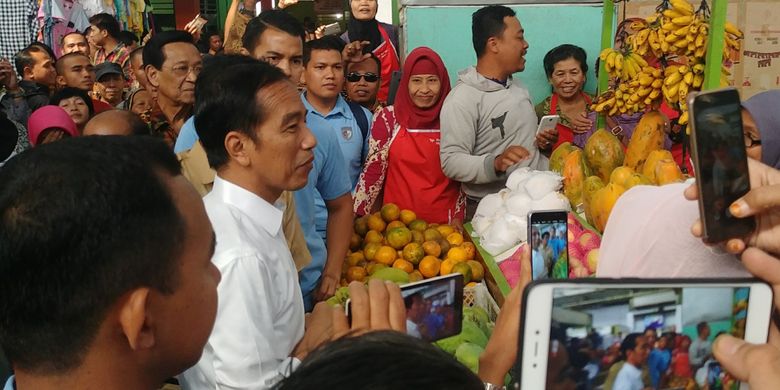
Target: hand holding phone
331,29
548,122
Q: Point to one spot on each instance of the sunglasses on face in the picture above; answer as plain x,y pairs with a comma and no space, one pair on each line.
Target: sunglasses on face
354,77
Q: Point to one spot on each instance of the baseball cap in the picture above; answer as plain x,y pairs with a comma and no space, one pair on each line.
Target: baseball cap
107,68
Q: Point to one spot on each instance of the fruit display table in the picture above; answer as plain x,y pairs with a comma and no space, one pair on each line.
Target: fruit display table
494,278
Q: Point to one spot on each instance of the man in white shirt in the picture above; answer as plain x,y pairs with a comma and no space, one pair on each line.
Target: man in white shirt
635,350
258,152
701,348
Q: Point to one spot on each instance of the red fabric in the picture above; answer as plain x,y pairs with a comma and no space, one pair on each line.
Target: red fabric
424,66
415,180
409,115
565,134
100,106
677,153
388,57
681,365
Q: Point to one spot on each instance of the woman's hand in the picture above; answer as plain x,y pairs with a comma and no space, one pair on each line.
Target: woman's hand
580,123
762,202
547,138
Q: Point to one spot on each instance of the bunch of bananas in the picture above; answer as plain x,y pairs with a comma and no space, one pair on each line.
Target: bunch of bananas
633,95
678,81
622,66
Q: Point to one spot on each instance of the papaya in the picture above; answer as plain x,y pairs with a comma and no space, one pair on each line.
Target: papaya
648,169
636,179
667,171
575,170
620,175
603,202
603,153
558,156
591,185
648,136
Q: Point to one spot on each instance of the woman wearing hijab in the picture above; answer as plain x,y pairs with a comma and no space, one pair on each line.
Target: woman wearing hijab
648,233
382,38
48,124
403,165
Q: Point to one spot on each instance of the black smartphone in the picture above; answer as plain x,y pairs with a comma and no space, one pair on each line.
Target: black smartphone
548,238
434,307
720,161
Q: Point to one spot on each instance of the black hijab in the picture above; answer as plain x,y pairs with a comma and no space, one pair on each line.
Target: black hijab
365,30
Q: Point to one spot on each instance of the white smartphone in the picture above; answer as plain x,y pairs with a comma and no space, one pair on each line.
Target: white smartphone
548,122
434,307
571,328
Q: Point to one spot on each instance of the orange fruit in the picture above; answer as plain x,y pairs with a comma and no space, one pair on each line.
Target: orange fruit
455,238
356,274
394,225
369,252
431,234
471,250
373,236
417,237
472,284
463,269
376,223
398,237
404,265
418,225
431,248
477,270
385,255
445,245
415,276
355,258
457,254
407,216
390,212
445,230
355,241
446,267
430,266
413,253
361,226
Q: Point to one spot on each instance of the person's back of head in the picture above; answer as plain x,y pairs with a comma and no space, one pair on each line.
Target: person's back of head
95,235
128,38
116,122
486,23
273,19
381,360
225,83
153,53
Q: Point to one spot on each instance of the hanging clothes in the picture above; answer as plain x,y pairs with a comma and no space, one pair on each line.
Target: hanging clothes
93,7
19,26
67,16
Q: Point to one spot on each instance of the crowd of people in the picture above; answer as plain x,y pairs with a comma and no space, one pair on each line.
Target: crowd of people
234,175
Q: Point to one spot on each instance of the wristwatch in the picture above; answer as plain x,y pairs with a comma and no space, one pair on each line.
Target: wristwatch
490,386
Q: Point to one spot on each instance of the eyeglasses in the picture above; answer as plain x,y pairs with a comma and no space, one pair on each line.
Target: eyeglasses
354,77
750,142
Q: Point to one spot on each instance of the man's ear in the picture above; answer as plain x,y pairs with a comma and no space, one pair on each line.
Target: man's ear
238,146
492,45
151,75
60,81
134,319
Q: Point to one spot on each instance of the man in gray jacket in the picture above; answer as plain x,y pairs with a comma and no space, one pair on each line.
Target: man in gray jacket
488,121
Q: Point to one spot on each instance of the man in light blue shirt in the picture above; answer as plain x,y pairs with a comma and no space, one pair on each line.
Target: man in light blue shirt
328,111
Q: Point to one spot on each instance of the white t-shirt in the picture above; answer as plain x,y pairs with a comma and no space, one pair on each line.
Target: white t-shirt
629,378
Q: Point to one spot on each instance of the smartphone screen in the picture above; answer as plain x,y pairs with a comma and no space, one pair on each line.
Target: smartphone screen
721,162
593,333
434,307
548,237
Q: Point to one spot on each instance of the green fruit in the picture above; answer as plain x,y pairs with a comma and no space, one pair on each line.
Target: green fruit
468,354
392,274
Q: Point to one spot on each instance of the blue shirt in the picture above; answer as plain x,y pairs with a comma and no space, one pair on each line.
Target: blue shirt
187,136
328,180
658,362
342,124
9,384
558,245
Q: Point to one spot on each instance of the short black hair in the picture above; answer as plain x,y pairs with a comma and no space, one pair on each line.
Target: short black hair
562,53
326,43
108,22
651,329
127,37
62,40
24,58
225,83
629,344
409,300
274,18
546,235
153,50
700,327
486,23
46,48
371,57
75,239
69,92
61,61
397,361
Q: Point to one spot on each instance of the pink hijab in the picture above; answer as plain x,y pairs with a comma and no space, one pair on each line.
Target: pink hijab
48,117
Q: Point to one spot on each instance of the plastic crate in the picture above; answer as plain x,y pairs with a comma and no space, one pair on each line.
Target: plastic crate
479,296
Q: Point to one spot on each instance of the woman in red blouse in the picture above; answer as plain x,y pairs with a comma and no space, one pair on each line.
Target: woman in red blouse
403,165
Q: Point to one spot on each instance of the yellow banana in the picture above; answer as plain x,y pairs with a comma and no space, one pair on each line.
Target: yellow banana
672,79
654,94
639,60
699,52
657,83
698,80
688,78
683,69
681,44
604,53
669,26
672,13
683,20
618,61
698,68
638,24
700,40
644,91
645,80
733,30
613,111
682,6
683,118
682,31
682,92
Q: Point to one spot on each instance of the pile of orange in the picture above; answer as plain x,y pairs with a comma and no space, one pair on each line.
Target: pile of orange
397,238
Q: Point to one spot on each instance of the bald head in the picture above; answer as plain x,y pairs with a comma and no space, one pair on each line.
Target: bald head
116,122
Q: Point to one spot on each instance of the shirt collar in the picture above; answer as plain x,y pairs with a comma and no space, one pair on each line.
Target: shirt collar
341,107
10,384
260,212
